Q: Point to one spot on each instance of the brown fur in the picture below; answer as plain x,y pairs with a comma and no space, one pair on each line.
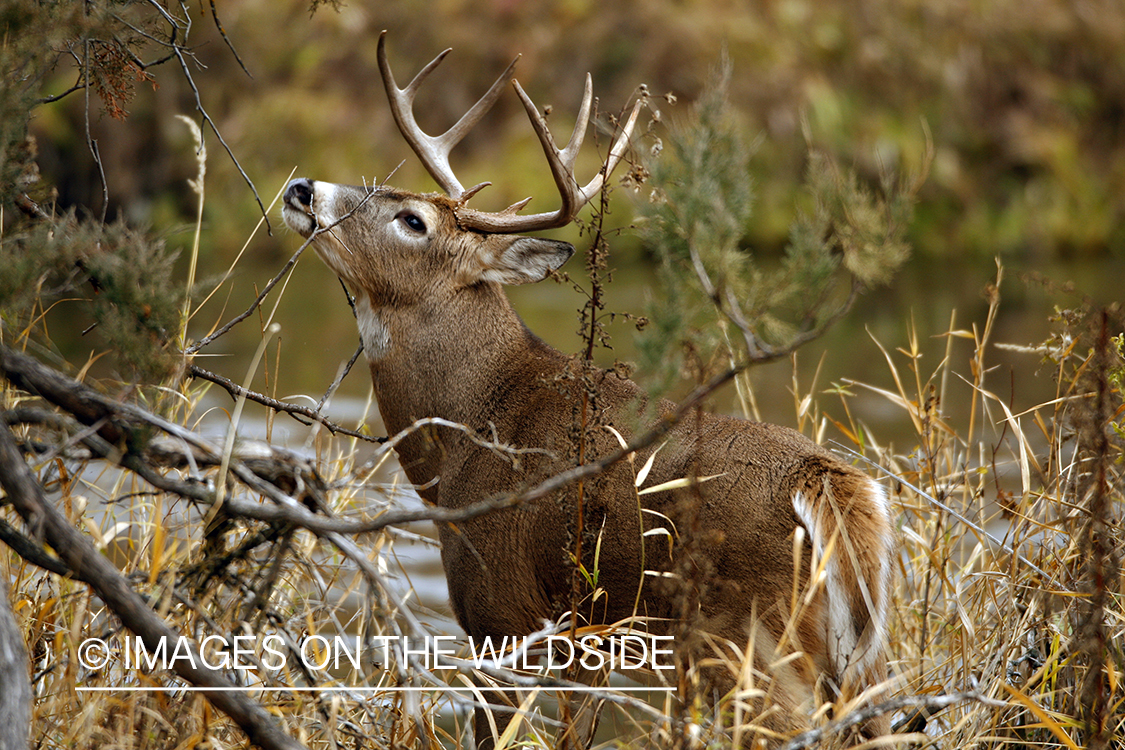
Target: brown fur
446,343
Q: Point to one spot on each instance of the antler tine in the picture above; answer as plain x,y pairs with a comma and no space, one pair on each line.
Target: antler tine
562,169
570,153
434,151
562,162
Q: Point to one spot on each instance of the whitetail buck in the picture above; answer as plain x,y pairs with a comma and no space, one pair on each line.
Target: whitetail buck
442,340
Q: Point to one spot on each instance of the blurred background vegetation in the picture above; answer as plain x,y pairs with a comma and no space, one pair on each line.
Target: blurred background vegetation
1024,101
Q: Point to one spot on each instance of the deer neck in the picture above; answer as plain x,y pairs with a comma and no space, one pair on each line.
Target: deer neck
443,358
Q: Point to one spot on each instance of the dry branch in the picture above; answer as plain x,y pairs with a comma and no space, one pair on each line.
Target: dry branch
118,424
91,567
15,698
302,414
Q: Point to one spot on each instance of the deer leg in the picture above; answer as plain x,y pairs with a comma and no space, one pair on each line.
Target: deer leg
491,719
579,712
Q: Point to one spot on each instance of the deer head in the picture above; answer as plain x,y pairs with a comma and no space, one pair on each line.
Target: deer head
395,246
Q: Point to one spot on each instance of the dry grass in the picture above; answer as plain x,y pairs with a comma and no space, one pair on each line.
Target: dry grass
1009,586
994,600
1008,613
1006,629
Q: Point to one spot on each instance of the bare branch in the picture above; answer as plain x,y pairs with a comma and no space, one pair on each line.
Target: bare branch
814,737
343,373
112,420
80,84
30,551
227,41
16,697
215,129
90,142
253,305
759,351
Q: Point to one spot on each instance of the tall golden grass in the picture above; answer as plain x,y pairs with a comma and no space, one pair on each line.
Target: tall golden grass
1008,614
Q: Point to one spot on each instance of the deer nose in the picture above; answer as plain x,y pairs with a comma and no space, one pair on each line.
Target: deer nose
299,192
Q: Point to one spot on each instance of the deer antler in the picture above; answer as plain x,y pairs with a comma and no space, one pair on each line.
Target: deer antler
562,169
434,152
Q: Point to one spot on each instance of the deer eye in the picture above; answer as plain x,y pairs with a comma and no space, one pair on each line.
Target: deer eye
411,220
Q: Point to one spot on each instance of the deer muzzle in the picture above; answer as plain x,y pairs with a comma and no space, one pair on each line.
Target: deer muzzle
297,209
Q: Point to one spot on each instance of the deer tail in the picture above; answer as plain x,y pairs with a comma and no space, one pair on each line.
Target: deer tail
847,518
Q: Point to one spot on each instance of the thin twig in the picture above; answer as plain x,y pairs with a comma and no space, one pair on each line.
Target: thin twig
302,414
81,84
179,52
343,373
253,305
814,737
230,45
759,351
112,420
274,281
29,550
93,568
90,142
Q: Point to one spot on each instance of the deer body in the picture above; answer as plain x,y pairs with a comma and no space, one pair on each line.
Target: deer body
442,340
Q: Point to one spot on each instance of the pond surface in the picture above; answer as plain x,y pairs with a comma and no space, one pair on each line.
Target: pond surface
927,297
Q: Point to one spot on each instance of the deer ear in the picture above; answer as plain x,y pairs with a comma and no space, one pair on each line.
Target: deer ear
524,260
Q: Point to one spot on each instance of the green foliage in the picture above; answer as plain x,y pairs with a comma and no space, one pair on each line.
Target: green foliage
847,239
1024,102
17,60
866,228
119,278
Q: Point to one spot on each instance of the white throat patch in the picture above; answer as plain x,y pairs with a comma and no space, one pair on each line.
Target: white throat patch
373,333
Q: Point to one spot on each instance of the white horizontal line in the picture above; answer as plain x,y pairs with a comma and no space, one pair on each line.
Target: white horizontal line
368,689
